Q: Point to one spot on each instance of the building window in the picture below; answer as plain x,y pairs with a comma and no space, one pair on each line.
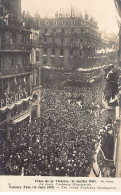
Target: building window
40,38
55,22
53,40
1,11
23,61
45,40
36,26
82,30
46,30
47,22
72,30
61,52
54,31
53,51
26,60
73,22
63,31
81,53
52,62
63,22
37,56
81,40
62,42
72,40
14,37
12,62
71,52
45,51
45,63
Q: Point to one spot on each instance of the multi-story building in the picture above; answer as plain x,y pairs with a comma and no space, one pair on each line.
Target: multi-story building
15,69
69,41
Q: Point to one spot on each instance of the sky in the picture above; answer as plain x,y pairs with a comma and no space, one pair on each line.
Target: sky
103,11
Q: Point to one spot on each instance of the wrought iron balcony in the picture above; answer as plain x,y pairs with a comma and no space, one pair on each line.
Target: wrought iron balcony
69,34
74,35
48,44
65,44
16,70
35,42
6,46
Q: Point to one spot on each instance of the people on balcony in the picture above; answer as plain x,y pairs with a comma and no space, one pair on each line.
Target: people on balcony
111,89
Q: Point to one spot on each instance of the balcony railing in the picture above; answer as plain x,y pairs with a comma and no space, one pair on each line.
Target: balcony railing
48,44
67,45
73,34
60,34
35,42
14,71
15,46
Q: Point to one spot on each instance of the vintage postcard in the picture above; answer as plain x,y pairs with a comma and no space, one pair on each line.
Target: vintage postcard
60,95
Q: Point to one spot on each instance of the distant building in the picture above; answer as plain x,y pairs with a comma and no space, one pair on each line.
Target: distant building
67,40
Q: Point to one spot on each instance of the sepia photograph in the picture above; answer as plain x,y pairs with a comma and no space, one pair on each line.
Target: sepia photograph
60,88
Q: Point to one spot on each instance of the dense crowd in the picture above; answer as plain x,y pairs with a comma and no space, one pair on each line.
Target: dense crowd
63,141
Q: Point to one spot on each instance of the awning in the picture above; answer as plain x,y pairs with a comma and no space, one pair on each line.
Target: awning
21,117
11,106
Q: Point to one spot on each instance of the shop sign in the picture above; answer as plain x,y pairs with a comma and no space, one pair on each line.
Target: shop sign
14,99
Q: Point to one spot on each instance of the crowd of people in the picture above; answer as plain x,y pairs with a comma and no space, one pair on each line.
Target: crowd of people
63,141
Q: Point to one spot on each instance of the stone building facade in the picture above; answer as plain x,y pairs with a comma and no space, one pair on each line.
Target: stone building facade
68,41
15,69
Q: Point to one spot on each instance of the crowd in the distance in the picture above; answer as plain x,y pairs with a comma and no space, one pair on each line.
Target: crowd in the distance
63,141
